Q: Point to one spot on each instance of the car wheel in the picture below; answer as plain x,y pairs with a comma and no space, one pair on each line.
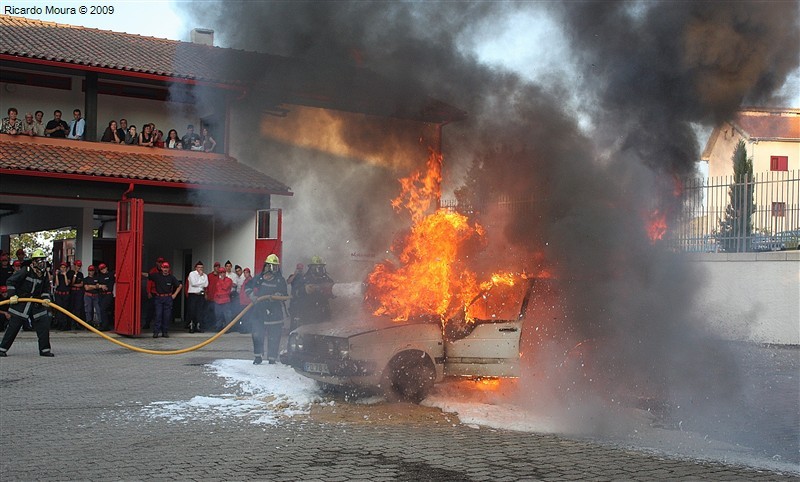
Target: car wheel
411,376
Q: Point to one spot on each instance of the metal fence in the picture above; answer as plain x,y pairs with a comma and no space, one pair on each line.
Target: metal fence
724,214
720,214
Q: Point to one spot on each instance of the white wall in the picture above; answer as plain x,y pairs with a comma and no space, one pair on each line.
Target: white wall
30,99
752,297
234,233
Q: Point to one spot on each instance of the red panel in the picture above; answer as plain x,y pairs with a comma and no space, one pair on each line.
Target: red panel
127,306
779,163
266,242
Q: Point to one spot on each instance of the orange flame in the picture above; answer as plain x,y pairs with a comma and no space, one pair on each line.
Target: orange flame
430,278
418,191
657,226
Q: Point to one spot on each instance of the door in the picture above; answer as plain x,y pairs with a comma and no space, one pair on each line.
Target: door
490,350
128,268
489,346
268,236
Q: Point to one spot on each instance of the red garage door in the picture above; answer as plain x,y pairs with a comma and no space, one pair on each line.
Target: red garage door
127,307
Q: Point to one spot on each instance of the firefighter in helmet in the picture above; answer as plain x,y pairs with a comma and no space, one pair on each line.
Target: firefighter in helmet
318,292
268,317
31,281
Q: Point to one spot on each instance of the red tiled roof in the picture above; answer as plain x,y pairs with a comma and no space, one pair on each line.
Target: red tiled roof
331,85
774,125
116,162
71,44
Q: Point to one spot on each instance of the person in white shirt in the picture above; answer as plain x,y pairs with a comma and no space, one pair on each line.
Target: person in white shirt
196,292
77,126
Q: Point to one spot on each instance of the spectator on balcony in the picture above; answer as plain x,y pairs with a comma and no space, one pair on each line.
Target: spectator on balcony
111,134
172,141
11,124
122,130
197,145
158,138
146,136
57,127
207,141
77,126
39,128
131,138
188,139
28,125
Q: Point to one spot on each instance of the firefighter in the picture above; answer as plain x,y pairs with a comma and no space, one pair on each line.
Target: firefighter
104,288
269,313
297,285
168,287
76,293
31,281
62,282
316,306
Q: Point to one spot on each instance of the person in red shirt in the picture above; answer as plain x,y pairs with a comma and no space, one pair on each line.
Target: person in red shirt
222,299
212,281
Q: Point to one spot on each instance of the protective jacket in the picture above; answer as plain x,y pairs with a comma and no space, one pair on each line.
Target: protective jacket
273,285
25,283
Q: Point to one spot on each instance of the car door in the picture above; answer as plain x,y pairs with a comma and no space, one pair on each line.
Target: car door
490,350
489,345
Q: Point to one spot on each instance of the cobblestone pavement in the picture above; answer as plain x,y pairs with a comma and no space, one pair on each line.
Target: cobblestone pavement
69,418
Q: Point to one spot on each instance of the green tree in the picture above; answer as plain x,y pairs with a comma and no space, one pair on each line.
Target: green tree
737,225
41,239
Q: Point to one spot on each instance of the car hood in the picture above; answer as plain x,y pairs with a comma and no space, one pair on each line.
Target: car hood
351,327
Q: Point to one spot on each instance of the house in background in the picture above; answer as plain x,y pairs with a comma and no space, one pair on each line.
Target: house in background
270,116
772,139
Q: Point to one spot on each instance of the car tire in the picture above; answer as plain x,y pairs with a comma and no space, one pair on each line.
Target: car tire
410,377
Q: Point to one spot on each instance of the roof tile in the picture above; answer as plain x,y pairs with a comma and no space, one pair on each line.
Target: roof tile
95,159
117,50
771,125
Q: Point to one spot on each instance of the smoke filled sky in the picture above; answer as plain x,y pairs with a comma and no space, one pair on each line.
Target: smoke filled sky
528,42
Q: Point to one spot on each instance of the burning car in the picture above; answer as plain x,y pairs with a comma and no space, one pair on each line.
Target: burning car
405,358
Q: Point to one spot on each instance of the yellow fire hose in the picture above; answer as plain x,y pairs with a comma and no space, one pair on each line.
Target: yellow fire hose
145,350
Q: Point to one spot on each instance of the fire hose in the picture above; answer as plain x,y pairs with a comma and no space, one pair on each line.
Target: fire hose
145,350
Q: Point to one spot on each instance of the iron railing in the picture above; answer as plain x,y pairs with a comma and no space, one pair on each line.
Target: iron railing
720,214
725,214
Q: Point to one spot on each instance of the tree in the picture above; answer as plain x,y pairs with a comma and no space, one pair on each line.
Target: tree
41,239
737,225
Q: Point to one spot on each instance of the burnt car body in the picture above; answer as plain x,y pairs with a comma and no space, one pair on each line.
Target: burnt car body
406,358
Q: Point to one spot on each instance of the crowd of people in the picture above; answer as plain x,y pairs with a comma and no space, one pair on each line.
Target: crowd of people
213,300
116,132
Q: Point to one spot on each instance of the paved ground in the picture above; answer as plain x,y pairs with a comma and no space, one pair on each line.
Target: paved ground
69,418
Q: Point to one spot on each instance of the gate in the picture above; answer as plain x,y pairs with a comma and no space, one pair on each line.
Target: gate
127,306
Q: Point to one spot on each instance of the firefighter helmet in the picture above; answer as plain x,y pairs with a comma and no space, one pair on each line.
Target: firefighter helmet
316,260
272,259
38,253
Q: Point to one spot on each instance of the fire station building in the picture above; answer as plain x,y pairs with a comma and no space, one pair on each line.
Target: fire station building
181,204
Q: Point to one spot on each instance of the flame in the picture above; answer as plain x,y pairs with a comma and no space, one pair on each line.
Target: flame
487,384
657,226
418,191
431,277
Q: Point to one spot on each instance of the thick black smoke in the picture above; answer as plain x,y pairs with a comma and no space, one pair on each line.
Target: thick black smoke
647,73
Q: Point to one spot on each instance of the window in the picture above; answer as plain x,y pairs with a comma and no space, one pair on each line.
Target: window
779,163
778,210
267,224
